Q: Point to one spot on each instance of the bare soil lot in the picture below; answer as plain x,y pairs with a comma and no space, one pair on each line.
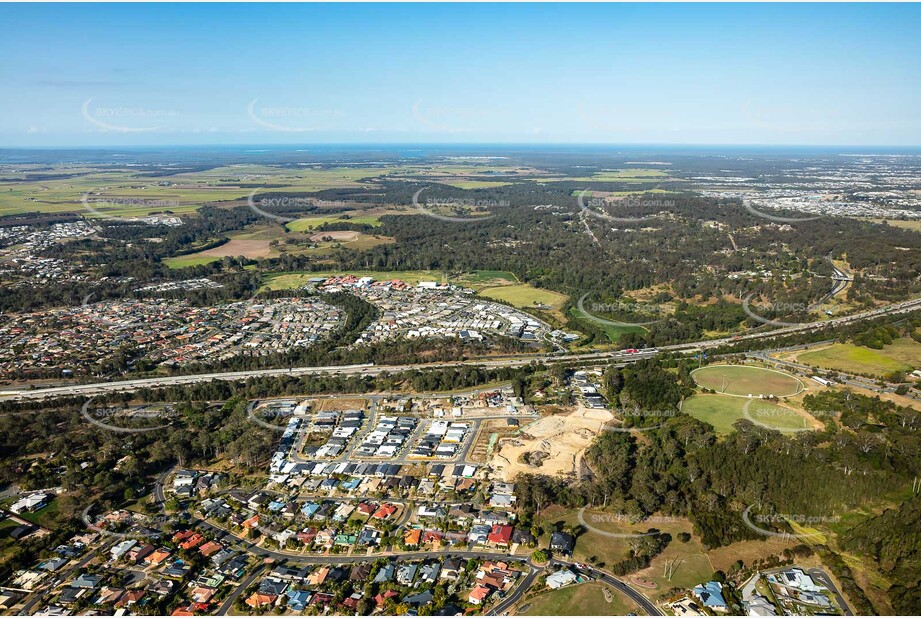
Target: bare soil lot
339,235
552,445
249,248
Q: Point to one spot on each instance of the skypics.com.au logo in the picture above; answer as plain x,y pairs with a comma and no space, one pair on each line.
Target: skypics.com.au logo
126,119
636,419
614,308
775,308
475,208
97,206
749,206
770,417
285,203
102,417
290,119
752,521
595,206
595,519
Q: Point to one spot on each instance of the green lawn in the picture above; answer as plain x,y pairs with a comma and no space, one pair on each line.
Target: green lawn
745,380
192,259
580,600
524,295
43,517
902,355
722,412
612,331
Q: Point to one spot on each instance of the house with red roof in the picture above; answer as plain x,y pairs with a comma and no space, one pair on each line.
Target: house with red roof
259,599
479,594
193,541
384,511
412,537
381,598
210,548
501,536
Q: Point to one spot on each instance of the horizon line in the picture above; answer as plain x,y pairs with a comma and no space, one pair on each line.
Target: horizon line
458,144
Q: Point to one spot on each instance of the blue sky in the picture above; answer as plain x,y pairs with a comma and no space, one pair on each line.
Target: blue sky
85,75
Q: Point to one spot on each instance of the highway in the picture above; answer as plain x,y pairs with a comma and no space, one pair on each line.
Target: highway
99,388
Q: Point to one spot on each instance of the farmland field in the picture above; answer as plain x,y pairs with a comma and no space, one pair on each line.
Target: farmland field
743,380
902,355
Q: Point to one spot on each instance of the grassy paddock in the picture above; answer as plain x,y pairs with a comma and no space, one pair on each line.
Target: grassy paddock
902,355
579,600
525,295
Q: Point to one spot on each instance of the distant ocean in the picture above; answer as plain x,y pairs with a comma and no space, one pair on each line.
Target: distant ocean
383,153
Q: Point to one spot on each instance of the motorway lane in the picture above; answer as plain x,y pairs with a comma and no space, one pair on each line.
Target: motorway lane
130,385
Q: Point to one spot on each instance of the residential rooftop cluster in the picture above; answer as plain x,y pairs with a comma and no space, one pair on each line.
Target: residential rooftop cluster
441,439
135,575
171,332
21,252
431,309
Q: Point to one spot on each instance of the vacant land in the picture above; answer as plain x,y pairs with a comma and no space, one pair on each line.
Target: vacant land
490,432
902,355
524,295
744,380
612,331
553,445
722,412
580,600
912,224
691,564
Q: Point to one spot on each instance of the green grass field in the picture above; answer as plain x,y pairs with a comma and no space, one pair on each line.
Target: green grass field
524,295
192,259
310,223
722,412
588,194
743,380
902,355
909,224
579,600
43,517
189,190
694,566
612,331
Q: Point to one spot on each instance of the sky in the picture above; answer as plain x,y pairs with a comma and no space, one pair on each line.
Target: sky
120,75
